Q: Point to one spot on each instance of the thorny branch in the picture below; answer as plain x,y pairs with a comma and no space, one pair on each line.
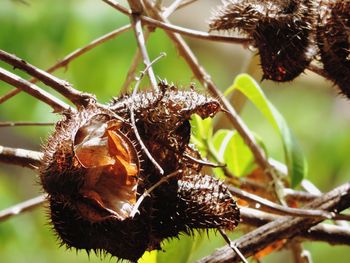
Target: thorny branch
73,55
335,235
130,76
136,23
24,123
198,34
177,29
324,232
285,227
285,210
22,207
63,87
205,79
34,90
22,157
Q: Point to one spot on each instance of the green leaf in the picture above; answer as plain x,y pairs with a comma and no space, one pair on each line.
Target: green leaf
202,128
149,257
231,150
179,249
202,132
294,157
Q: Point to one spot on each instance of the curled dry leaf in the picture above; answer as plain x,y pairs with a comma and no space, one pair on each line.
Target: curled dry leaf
95,170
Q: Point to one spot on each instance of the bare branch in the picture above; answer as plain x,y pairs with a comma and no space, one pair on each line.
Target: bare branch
299,196
232,245
198,34
22,207
335,235
177,29
186,3
73,55
34,90
136,6
9,95
319,71
285,227
173,7
205,79
22,157
136,23
96,42
300,255
130,76
133,123
61,86
284,210
24,123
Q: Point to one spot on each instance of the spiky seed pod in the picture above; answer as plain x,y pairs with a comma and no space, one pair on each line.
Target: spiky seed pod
283,32
333,37
94,170
207,203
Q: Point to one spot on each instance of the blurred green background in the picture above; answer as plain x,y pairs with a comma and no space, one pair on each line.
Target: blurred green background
43,31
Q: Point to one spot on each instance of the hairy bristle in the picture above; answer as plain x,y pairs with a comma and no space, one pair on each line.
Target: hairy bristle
94,170
283,32
334,43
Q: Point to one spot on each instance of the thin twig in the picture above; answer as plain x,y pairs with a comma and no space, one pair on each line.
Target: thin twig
232,245
22,157
286,227
34,90
22,207
61,86
96,42
136,6
147,192
73,55
198,34
24,123
318,70
136,23
205,79
336,235
130,76
299,196
300,255
283,210
9,95
181,30
186,3
133,123
172,8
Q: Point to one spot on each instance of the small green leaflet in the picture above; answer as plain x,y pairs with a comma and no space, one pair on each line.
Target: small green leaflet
231,150
294,157
202,132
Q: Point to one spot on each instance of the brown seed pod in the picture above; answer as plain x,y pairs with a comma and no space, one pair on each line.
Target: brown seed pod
95,170
282,31
333,37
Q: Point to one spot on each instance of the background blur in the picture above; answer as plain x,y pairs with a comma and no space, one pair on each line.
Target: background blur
43,31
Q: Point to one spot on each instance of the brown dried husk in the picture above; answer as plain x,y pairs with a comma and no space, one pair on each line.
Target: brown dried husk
333,37
283,32
186,202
